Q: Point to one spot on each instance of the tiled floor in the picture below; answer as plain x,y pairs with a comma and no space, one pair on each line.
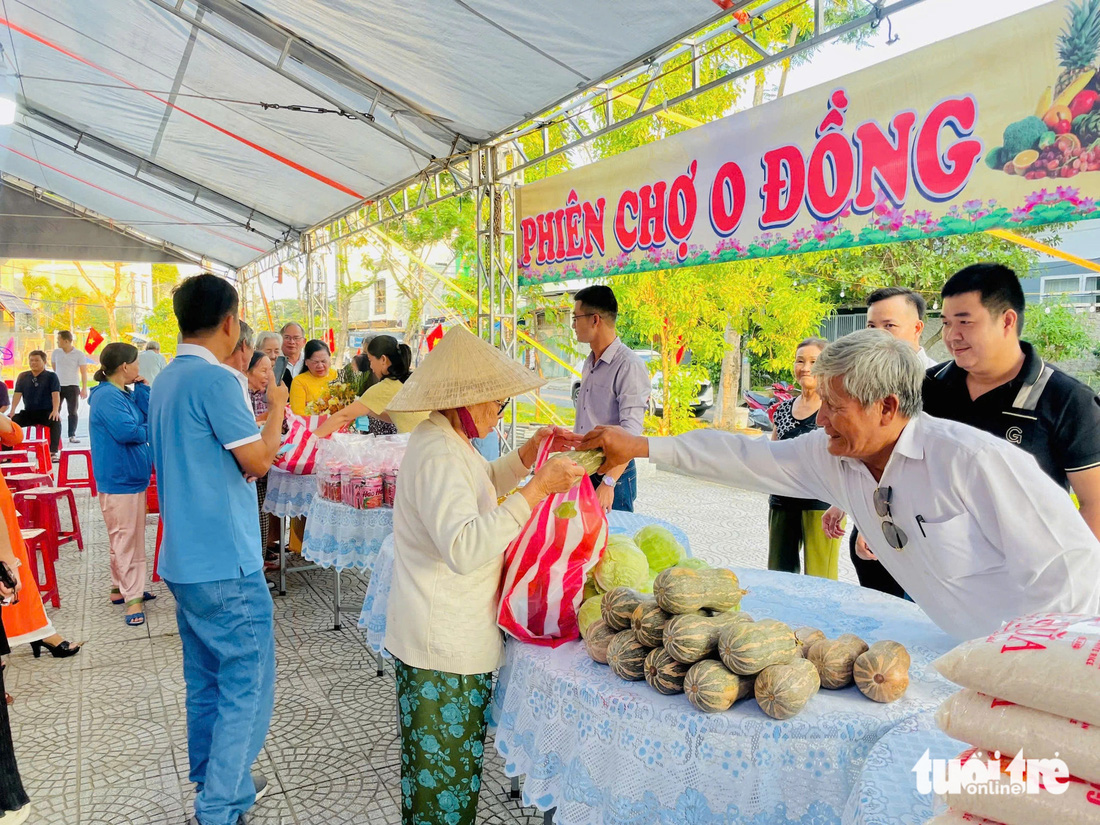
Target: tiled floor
101,738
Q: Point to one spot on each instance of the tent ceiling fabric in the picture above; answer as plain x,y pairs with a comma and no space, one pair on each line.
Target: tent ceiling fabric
37,229
146,113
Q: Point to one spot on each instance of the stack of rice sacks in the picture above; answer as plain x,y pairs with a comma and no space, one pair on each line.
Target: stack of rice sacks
1032,686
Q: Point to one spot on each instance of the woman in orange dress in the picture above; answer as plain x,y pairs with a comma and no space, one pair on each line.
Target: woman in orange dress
25,622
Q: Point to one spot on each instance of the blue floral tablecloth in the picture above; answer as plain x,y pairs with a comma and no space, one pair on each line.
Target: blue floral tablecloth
289,495
372,619
887,790
342,537
603,750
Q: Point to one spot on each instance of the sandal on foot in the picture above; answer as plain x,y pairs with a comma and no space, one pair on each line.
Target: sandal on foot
134,619
145,597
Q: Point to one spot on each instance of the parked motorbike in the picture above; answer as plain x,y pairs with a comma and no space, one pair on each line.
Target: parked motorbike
762,407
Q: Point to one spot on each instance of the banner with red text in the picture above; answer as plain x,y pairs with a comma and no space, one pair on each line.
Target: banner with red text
994,128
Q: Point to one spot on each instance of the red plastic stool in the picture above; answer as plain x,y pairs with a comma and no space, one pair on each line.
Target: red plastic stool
17,468
15,455
27,481
44,507
156,553
38,547
64,479
40,448
152,502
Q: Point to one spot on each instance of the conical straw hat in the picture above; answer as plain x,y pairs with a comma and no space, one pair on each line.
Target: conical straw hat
460,371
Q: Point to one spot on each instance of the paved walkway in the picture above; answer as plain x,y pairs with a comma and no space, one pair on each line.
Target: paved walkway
101,737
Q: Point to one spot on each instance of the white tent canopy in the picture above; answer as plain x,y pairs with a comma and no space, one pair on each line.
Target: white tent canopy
148,111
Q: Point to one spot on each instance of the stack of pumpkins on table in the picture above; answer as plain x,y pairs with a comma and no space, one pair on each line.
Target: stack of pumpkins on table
689,636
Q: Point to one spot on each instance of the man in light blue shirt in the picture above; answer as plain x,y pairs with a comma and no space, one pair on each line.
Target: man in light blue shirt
205,441
614,388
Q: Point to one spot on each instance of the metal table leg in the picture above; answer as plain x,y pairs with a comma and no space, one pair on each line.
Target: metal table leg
378,661
548,817
514,792
336,599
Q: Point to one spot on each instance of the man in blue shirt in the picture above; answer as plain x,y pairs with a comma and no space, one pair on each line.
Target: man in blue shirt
205,441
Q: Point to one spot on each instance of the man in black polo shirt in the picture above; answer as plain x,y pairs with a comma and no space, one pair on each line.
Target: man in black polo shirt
999,384
40,392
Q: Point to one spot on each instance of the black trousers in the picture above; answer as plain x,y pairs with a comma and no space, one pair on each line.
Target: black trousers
12,795
71,397
872,574
32,418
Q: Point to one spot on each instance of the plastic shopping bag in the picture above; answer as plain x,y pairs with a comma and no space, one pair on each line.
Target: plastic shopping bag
545,567
302,455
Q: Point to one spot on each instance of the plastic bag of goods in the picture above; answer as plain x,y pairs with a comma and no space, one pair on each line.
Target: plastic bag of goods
995,724
1077,804
302,455
1047,661
546,565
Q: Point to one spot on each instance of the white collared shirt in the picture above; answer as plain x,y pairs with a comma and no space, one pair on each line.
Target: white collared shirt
208,356
298,365
996,538
925,359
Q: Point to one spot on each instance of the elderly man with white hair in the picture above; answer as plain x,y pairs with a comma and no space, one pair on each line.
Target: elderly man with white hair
967,523
151,362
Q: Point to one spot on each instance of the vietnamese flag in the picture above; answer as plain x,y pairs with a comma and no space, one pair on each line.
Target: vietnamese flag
330,339
94,340
434,336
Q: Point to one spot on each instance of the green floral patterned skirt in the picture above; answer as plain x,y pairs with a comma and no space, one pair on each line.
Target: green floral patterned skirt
443,718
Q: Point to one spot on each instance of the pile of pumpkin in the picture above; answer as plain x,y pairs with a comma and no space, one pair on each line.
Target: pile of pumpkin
690,637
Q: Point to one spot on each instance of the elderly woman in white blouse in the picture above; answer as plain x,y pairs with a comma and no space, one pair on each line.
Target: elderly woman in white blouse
454,516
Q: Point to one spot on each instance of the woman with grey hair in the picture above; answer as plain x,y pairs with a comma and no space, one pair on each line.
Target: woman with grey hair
270,344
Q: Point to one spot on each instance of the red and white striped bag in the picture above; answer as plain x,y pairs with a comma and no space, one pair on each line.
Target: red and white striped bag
546,565
300,458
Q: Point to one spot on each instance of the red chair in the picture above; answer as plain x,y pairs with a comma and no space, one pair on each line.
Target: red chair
152,502
43,508
156,553
36,439
17,468
27,481
15,455
38,546
65,479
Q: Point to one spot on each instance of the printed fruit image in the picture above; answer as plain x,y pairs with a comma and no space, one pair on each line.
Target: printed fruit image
1077,49
1058,140
1023,161
1055,115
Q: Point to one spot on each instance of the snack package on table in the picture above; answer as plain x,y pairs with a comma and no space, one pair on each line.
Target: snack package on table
359,470
546,565
1049,662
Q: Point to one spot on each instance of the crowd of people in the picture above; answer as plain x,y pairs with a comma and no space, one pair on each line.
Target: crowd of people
958,477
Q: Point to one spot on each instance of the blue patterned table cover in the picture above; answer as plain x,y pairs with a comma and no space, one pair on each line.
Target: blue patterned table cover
342,537
289,495
372,619
887,790
602,750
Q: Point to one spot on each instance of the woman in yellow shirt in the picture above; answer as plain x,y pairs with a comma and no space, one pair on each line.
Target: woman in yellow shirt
390,363
311,381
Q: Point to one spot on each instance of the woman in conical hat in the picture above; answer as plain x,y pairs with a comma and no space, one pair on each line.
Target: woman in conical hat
450,534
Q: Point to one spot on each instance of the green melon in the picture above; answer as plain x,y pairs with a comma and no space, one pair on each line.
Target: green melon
747,648
663,673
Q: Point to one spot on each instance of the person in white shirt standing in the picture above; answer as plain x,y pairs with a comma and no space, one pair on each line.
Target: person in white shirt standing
151,362
900,312
968,524
70,364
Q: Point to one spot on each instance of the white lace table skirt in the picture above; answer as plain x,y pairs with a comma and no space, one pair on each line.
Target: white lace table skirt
372,619
289,495
343,537
600,749
887,790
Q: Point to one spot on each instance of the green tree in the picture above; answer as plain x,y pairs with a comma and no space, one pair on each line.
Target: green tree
347,287
1058,332
165,278
162,327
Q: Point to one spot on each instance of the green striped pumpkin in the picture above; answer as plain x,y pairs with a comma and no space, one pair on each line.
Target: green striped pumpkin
690,638
596,642
626,655
618,606
648,624
807,636
783,690
711,688
681,590
663,673
835,659
749,647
